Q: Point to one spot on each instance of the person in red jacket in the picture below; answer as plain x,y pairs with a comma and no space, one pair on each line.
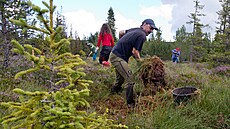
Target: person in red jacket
105,37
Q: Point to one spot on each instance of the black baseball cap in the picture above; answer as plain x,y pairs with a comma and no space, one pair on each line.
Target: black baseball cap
150,22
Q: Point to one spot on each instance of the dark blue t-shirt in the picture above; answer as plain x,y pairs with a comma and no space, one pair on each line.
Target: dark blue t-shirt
133,38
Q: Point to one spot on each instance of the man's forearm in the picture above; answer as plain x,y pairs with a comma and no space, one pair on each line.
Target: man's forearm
136,54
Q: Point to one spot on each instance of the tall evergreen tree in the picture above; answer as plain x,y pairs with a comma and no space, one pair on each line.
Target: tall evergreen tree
220,53
224,25
111,21
182,42
11,9
207,40
60,21
196,38
93,38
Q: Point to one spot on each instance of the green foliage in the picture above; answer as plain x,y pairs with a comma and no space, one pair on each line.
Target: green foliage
93,38
64,107
209,110
183,41
197,41
161,49
111,21
218,59
82,53
53,109
67,104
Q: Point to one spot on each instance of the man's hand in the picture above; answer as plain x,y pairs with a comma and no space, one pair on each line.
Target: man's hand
136,53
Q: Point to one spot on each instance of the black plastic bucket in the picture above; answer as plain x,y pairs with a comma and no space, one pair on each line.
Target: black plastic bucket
183,94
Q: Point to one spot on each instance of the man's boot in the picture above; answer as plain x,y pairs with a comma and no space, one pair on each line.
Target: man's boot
116,89
129,95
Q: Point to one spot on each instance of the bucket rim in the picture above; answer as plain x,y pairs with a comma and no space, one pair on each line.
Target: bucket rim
182,95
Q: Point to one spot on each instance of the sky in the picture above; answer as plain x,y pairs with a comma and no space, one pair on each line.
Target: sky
87,16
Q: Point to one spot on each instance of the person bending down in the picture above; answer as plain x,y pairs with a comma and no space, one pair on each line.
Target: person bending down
129,44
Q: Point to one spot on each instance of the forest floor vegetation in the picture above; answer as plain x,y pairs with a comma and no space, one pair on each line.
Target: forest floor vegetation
158,111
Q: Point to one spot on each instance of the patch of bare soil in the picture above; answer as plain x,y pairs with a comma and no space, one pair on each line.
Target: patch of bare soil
118,109
152,72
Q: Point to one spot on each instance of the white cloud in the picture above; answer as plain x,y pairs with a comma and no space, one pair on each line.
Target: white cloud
83,22
163,11
123,23
86,22
169,16
182,9
162,15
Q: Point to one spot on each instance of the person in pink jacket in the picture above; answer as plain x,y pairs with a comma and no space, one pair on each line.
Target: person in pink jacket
106,39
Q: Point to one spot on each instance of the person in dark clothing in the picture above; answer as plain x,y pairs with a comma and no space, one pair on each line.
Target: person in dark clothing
129,44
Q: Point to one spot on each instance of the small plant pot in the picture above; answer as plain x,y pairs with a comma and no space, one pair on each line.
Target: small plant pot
183,94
